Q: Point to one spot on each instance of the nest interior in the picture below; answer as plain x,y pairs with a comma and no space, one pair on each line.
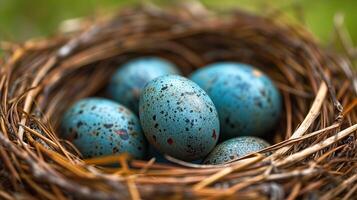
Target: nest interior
314,154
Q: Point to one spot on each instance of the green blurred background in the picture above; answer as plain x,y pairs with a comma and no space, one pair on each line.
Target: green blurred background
23,19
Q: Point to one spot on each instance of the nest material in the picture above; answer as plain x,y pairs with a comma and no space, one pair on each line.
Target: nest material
314,155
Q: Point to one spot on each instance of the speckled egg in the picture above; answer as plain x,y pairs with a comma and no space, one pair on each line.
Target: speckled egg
126,84
235,148
178,117
100,127
247,101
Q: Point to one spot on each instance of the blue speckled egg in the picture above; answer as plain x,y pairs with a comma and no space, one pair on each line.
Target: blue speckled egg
235,148
128,81
98,127
247,101
178,117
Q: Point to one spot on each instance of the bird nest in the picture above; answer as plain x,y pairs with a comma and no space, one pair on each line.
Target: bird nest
315,145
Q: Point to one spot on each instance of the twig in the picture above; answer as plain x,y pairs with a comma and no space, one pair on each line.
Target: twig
310,150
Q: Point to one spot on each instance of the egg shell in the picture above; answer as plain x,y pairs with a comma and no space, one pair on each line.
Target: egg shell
234,148
99,127
178,118
247,101
128,81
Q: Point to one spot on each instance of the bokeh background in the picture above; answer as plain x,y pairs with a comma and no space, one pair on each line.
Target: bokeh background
23,19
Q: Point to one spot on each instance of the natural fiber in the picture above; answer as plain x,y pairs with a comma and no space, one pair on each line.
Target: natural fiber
315,150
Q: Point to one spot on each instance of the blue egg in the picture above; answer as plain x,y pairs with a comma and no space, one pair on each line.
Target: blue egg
99,127
247,101
178,118
128,81
234,148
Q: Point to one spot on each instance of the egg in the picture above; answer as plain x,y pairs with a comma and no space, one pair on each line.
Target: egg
234,148
127,82
99,127
247,101
178,118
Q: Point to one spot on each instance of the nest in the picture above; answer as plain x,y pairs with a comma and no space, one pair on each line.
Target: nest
314,153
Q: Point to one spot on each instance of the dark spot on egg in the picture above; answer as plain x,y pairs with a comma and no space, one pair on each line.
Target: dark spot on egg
170,141
262,92
79,124
258,103
123,134
115,150
108,125
164,88
214,135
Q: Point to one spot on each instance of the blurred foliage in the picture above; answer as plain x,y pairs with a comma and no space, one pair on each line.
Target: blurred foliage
22,19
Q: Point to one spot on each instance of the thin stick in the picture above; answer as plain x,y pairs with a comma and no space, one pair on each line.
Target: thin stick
225,172
310,150
135,195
